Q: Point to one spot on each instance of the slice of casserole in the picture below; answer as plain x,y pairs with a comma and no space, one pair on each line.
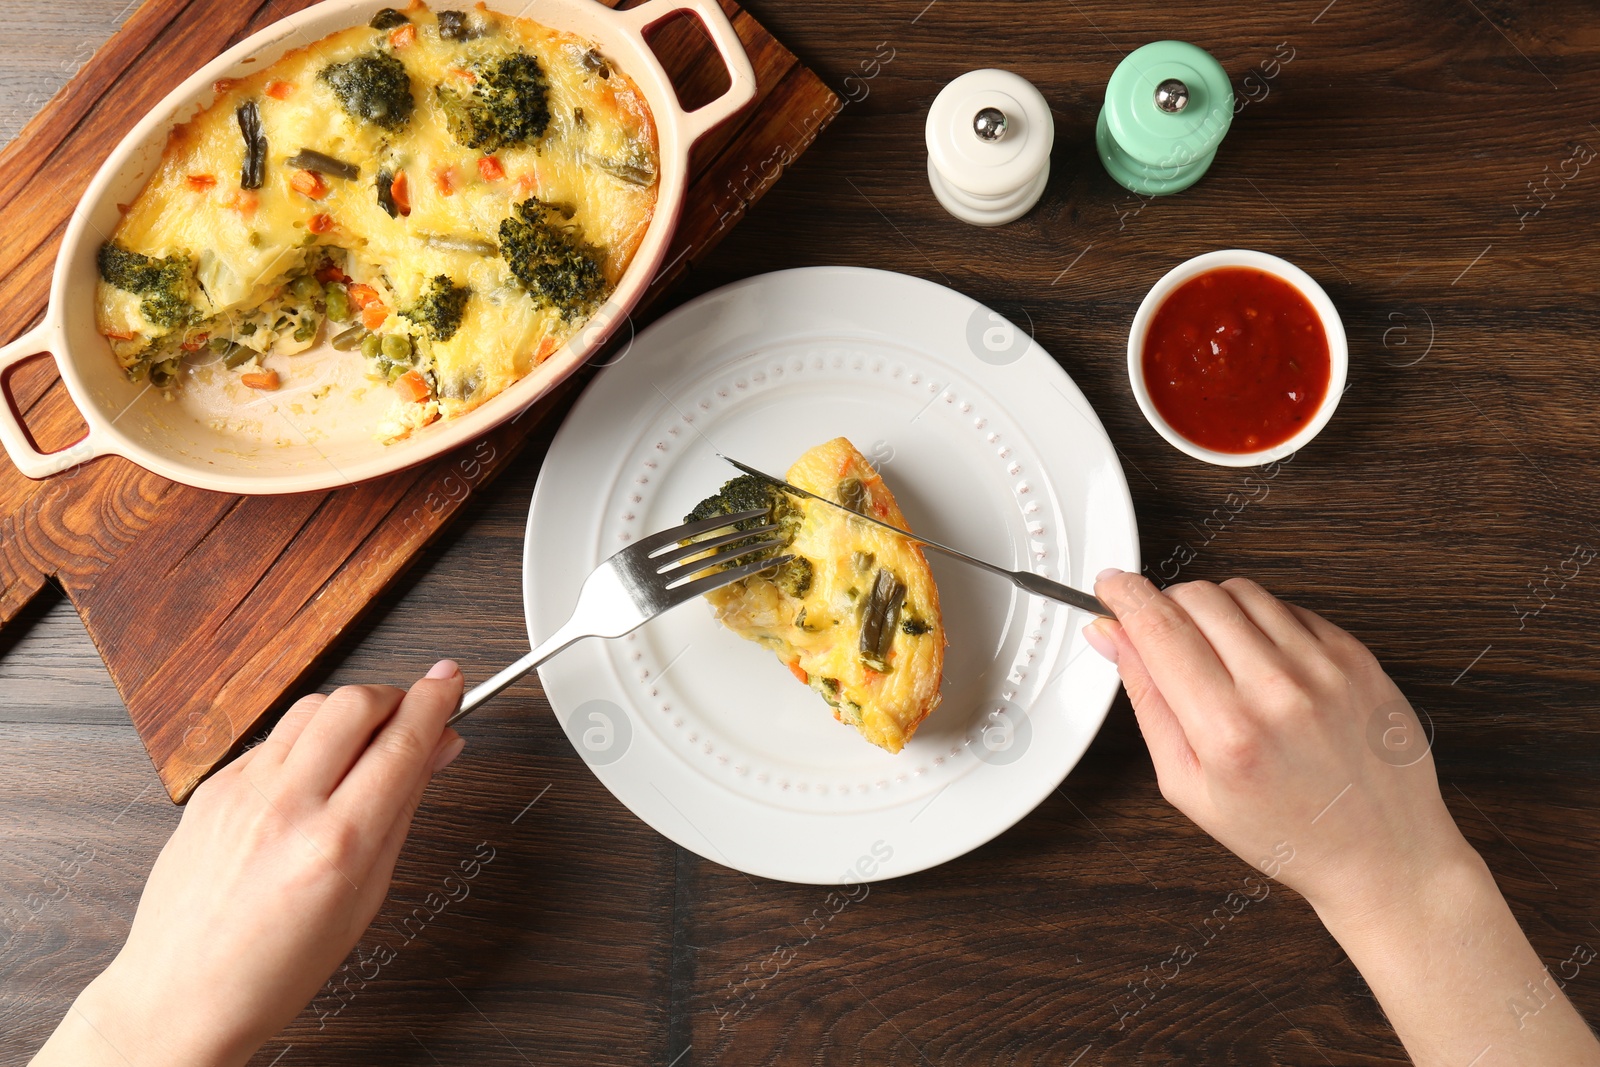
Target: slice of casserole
855,614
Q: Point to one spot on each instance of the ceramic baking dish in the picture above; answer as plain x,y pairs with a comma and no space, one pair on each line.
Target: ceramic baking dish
288,443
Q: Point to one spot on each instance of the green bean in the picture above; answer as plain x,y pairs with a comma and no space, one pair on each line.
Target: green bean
163,373
350,338
238,356
879,618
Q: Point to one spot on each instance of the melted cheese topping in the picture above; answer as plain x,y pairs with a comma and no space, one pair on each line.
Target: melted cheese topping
817,634
246,244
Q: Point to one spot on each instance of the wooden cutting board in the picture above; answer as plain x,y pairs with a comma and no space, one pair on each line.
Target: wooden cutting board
208,609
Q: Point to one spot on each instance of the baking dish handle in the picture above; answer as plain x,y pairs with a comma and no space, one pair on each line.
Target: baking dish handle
29,460
742,76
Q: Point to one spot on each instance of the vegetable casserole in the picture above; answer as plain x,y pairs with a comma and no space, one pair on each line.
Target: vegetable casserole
452,195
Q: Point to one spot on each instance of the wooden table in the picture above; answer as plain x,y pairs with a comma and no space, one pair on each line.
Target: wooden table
1432,165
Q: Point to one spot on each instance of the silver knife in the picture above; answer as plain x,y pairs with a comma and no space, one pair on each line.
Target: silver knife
1044,587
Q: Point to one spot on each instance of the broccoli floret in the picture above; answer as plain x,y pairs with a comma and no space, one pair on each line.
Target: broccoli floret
794,577
373,87
440,308
165,284
744,493
509,105
549,257
387,19
460,26
749,493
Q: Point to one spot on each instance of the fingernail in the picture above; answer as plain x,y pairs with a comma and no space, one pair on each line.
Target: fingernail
448,754
1107,574
1100,641
445,668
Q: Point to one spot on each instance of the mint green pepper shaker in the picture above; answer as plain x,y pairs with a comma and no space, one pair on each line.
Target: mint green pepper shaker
1168,106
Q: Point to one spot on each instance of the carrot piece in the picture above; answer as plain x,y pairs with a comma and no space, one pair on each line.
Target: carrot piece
266,380
362,295
244,201
402,36
320,223
308,183
195,343
329,273
118,335
490,168
279,90
400,193
546,346
414,387
444,179
462,72
222,85
796,670
201,182
372,315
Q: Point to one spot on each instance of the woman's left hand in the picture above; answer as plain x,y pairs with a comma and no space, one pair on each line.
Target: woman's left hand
280,862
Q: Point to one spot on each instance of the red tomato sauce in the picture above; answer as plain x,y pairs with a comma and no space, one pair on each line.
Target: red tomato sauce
1236,360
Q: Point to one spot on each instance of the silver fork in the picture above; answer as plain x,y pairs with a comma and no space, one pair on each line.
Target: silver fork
645,579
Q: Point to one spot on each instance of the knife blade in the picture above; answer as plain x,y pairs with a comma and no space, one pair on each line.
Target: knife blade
1026,580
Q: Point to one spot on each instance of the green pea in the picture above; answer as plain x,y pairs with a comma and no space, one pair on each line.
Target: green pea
219,344
306,330
338,301
397,348
306,287
371,345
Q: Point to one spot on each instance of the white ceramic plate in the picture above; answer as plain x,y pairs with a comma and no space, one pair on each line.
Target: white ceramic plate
987,445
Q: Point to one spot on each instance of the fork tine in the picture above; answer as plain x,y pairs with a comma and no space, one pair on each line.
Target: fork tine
693,529
685,571
688,591
666,558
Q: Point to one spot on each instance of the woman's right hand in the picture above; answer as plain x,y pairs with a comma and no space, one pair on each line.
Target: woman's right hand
1280,735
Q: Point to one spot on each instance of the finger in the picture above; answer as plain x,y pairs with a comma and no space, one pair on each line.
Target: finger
1272,617
1341,645
394,838
401,754
287,730
1180,661
337,734
1238,642
1170,751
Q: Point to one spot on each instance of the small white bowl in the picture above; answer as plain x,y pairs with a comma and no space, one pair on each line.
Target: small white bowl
1338,352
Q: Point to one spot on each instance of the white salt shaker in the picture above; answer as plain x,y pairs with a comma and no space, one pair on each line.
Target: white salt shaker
989,138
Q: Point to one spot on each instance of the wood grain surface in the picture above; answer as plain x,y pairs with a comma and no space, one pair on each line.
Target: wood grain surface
209,609
1446,516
